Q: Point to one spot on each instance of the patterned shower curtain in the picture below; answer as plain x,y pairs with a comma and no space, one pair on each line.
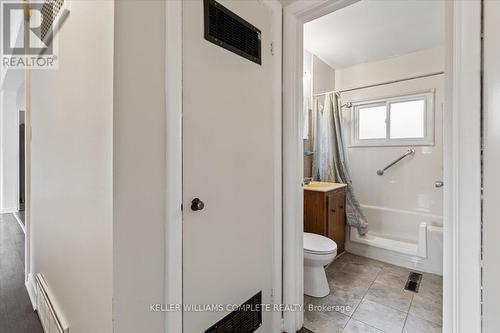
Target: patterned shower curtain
330,162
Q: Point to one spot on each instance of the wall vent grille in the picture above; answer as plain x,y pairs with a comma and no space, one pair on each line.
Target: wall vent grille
229,31
50,9
246,319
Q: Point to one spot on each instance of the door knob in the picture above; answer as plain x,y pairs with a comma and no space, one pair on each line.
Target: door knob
438,183
197,204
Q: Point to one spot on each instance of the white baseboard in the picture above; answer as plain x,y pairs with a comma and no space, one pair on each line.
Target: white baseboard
18,219
8,210
30,287
394,258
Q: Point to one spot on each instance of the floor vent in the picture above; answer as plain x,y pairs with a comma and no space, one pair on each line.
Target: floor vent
413,282
51,319
246,319
231,32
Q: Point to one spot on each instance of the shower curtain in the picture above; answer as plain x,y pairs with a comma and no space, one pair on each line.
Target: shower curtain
330,159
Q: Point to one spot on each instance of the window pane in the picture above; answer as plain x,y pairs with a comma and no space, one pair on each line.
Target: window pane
372,123
407,119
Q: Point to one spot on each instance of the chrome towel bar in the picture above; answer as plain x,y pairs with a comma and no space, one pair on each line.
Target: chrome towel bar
409,152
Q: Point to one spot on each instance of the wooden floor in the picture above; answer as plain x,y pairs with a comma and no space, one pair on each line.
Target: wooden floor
16,312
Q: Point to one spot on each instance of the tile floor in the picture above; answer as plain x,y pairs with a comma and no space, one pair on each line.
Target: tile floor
368,296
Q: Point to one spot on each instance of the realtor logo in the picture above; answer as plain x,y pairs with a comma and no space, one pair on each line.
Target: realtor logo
28,34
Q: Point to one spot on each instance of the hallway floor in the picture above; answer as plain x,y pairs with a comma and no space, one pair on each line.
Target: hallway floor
368,296
16,312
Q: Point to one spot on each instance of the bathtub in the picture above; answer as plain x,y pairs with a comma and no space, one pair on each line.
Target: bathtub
404,238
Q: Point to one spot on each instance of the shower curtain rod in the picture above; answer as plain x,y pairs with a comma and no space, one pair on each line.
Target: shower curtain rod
378,84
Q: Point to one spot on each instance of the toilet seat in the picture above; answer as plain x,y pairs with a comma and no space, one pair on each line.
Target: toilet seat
317,244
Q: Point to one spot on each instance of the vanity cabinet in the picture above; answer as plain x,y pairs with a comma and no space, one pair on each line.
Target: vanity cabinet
324,214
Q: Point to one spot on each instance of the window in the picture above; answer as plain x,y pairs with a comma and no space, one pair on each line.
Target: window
398,121
372,122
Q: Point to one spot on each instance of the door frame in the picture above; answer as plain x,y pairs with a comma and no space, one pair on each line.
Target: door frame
173,184
28,278
462,156
491,162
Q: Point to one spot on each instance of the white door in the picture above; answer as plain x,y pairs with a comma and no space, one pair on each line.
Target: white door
227,164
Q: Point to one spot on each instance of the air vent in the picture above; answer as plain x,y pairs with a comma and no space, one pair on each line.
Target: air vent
247,319
50,9
229,31
413,282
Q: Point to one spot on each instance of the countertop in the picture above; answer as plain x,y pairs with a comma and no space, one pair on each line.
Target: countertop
323,186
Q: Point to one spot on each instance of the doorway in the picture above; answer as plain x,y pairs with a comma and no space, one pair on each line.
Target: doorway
295,16
374,132
22,169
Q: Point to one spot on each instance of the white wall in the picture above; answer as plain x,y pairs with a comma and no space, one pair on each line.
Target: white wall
407,65
408,186
307,94
491,163
139,166
307,68
72,168
323,76
322,80
9,152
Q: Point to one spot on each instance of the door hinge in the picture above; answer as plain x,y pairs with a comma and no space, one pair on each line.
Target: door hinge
272,48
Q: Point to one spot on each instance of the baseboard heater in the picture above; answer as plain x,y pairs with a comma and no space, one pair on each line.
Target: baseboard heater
51,319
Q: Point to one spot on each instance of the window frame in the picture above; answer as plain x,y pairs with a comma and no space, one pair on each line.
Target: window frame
427,140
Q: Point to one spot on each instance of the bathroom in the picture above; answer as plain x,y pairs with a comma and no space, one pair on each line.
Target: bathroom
373,168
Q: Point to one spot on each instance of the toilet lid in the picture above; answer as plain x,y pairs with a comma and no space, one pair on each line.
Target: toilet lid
318,244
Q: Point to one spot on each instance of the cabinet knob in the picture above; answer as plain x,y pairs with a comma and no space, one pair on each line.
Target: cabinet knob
333,210
341,207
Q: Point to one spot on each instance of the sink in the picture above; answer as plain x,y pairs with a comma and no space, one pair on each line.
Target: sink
319,184
323,186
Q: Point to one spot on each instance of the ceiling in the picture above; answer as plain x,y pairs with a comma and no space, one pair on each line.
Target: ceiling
372,30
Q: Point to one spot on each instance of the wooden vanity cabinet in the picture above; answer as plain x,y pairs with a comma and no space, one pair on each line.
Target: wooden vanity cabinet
324,214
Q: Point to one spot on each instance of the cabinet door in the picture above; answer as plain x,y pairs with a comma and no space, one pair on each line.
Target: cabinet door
336,219
340,220
315,214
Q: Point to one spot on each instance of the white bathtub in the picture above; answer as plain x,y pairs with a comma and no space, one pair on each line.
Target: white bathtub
404,238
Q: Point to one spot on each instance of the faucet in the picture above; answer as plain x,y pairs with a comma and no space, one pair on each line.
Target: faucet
307,180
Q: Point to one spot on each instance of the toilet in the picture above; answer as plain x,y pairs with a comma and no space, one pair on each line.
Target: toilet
319,251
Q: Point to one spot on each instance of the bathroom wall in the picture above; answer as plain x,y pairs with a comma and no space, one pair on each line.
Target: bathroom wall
322,80
403,66
408,187
307,87
323,76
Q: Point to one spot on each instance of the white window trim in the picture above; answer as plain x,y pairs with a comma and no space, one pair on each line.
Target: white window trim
427,140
